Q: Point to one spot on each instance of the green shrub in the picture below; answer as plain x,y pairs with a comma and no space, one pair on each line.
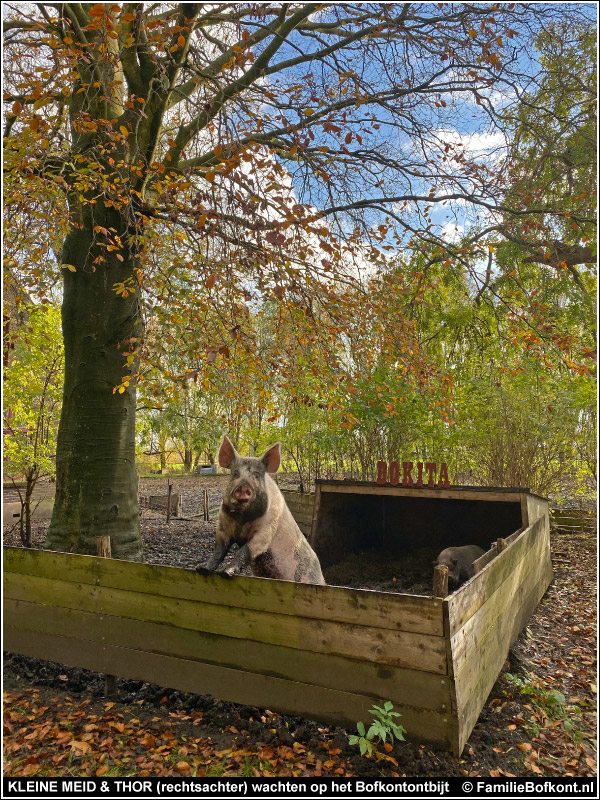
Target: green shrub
549,703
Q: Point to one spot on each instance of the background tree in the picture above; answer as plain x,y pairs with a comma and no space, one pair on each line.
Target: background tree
32,392
278,149
553,150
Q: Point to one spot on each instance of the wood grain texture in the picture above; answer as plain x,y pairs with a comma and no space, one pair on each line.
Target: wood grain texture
288,697
487,615
403,686
490,495
471,641
466,602
476,680
331,603
481,562
397,648
537,507
316,512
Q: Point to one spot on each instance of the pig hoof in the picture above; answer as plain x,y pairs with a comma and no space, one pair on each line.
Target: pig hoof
225,573
203,570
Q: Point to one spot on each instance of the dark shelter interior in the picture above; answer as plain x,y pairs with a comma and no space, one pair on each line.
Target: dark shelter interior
402,534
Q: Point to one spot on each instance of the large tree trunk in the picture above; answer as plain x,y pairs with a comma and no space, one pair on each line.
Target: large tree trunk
96,488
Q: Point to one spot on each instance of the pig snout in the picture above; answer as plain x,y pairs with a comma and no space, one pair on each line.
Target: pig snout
243,493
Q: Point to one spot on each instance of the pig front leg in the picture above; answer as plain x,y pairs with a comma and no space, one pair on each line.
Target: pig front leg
218,554
240,560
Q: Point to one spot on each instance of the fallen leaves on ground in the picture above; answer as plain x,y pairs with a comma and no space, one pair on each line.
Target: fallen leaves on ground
62,736
556,665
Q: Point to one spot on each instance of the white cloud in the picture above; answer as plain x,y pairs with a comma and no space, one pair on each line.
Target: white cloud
474,145
451,232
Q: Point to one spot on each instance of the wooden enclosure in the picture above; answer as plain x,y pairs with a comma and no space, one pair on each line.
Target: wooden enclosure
353,516
320,651
302,507
160,502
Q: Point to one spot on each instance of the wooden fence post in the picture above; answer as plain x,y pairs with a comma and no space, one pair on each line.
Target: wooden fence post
169,491
103,547
440,581
104,551
206,508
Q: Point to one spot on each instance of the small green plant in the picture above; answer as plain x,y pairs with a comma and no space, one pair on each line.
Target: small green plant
551,704
215,770
382,726
250,767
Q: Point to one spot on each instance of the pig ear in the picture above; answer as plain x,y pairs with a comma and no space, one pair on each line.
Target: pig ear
227,453
272,458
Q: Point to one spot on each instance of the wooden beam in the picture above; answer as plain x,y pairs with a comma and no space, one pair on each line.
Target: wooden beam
487,651
404,686
468,642
397,648
103,547
286,696
485,495
401,612
169,494
440,581
316,509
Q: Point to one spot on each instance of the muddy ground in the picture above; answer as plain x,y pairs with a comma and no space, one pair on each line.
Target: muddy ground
539,722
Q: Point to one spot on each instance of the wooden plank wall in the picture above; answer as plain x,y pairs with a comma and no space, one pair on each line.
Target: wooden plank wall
320,651
536,507
302,508
486,615
485,559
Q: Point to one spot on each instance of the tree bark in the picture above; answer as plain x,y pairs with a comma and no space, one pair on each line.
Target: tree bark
96,490
31,477
162,444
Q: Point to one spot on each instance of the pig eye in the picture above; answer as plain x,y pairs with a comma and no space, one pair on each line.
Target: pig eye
256,474
236,473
